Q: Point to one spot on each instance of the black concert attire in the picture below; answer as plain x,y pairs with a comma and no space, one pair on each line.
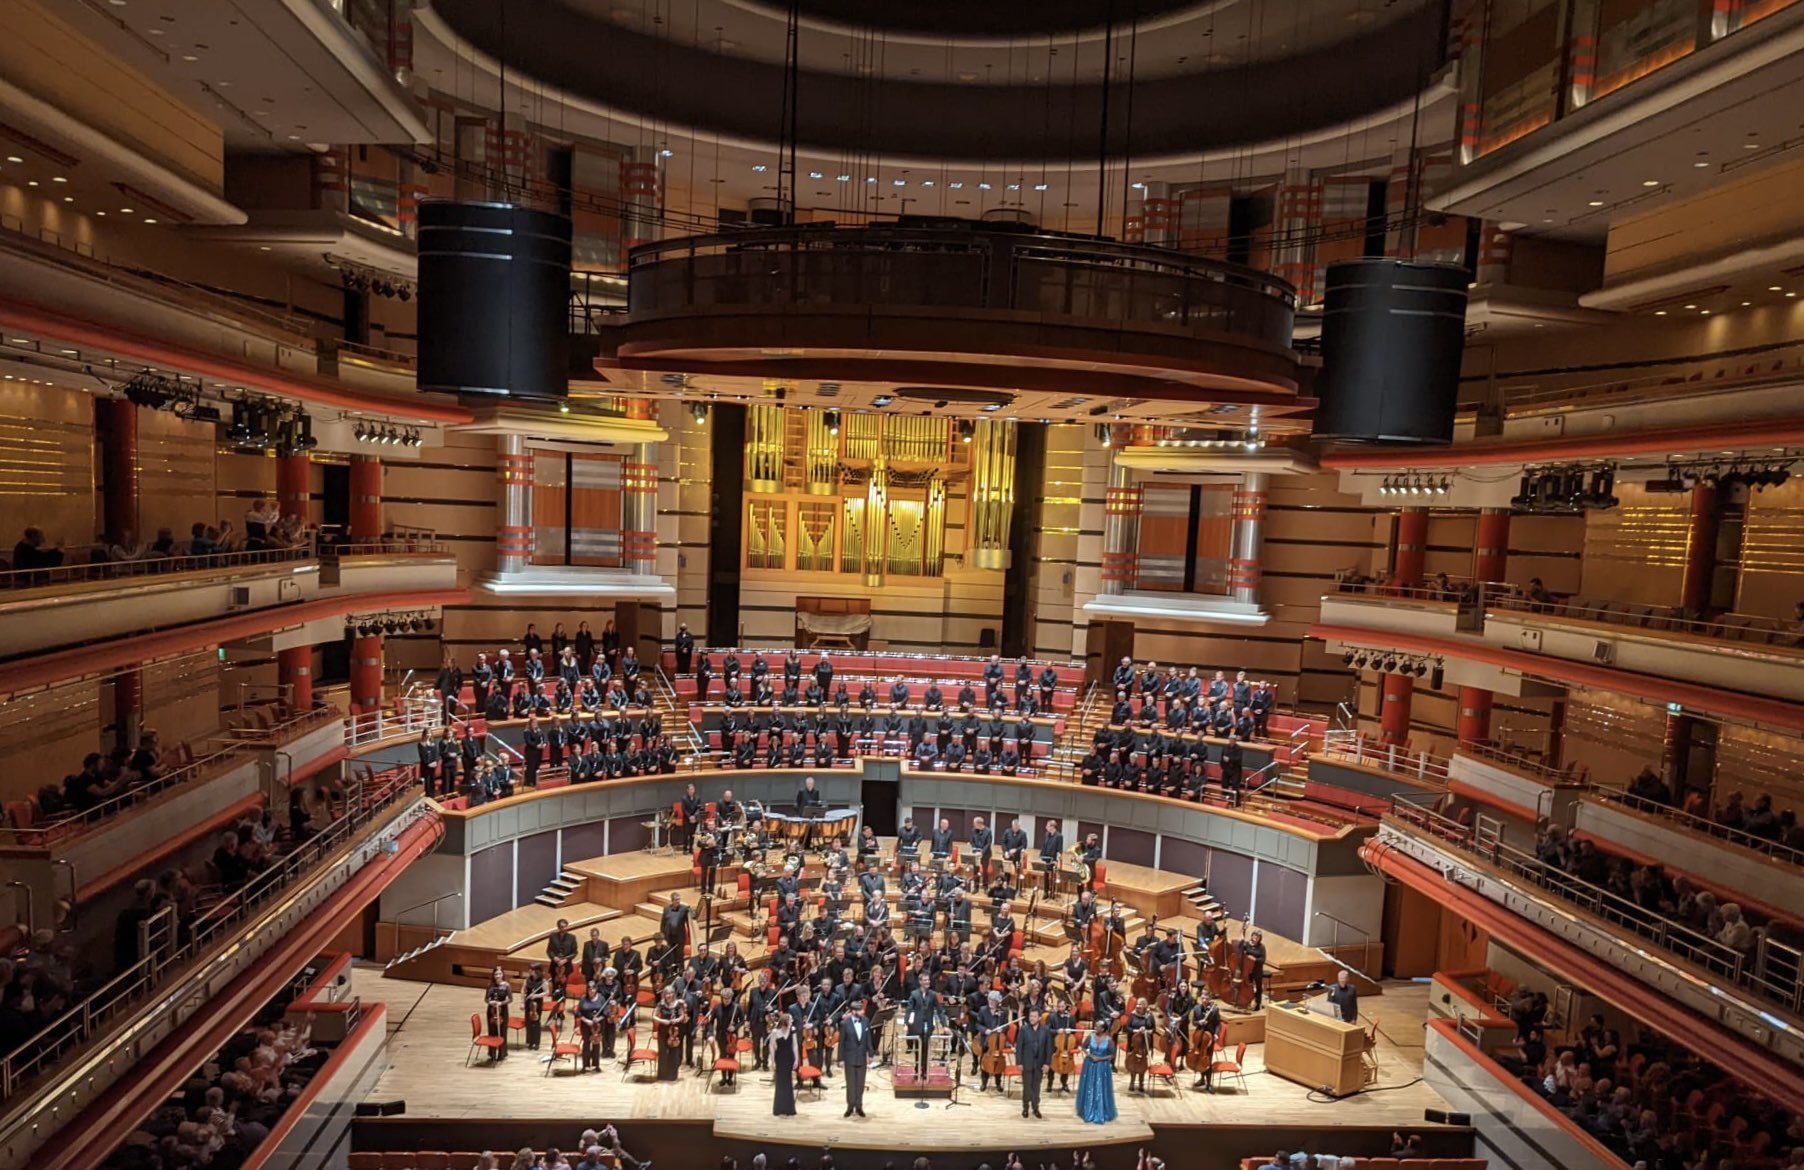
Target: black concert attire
496,999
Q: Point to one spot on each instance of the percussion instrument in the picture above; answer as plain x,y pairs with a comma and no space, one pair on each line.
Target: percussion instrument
839,822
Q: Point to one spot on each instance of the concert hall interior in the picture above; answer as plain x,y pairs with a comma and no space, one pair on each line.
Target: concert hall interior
1086,584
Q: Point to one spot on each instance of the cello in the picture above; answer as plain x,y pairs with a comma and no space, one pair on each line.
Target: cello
1138,1047
995,1050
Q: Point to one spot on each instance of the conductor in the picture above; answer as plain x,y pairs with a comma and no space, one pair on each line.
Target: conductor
922,1004
855,1045
1345,997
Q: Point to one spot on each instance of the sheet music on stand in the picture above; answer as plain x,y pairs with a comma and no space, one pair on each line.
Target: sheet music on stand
1320,1005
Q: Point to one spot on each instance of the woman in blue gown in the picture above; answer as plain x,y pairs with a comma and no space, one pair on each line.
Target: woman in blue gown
1096,1085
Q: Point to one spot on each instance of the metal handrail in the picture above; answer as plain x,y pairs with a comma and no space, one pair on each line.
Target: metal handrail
71,824
287,728
1702,826
418,713
1571,777
1658,385
154,566
1354,747
1645,618
1773,971
392,545
216,928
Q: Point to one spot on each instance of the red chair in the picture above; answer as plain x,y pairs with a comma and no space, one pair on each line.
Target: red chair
1009,1067
1159,1065
1232,1067
806,1073
478,1040
432,1160
518,1024
728,1064
366,1161
637,1055
561,1050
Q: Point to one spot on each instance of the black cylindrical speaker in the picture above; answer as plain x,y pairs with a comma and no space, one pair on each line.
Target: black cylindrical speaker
1392,335
494,300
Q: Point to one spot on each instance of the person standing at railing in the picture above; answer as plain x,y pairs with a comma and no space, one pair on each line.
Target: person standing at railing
530,642
533,743
685,649
450,684
610,644
427,751
482,677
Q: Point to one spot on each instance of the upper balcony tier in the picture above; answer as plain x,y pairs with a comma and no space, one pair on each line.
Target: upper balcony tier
1491,635
79,604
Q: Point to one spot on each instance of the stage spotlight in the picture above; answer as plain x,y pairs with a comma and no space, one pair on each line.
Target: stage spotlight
699,412
1347,658
1420,669
1105,435
833,422
428,623
1436,677
365,630
1360,662
1390,664
966,428
413,626
390,625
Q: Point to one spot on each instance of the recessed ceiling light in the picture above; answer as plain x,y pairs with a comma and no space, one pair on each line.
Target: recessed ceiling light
100,213
58,179
870,178
1650,182
14,158
125,211
1597,203
68,199
1703,312
957,186
1791,294
843,178
155,32
1691,306
1039,186
189,57
1700,164
262,247
150,221
1774,288
983,186
31,182
1745,304
666,152
759,168
1014,186
1659,312
815,175
926,182
1750,146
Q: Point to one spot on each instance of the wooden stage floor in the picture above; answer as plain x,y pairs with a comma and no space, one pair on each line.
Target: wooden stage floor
429,1037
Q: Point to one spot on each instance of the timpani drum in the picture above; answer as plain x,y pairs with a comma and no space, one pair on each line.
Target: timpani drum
839,822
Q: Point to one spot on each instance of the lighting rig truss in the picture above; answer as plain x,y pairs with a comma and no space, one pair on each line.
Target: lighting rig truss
390,622
1415,484
387,434
360,278
1758,474
1569,487
1396,662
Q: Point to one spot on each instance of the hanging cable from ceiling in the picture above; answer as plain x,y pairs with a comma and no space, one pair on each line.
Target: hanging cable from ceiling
1102,135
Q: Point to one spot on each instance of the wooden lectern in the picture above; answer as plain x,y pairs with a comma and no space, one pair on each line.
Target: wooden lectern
1315,1050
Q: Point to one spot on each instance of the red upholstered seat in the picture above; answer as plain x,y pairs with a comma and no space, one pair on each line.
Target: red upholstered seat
479,1041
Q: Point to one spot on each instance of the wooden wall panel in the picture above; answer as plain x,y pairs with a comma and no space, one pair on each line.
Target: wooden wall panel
1612,736
1772,552
1548,547
1752,762
47,474
1635,553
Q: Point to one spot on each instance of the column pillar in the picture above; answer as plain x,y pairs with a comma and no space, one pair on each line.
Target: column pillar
294,486
366,497
116,426
1393,710
1412,545
1120,531
1474,714
639,187
366,674
1244,569
513,494
1159,216
639,512
1700,549
1298,212
128,704
1494,248
1491,547
294,670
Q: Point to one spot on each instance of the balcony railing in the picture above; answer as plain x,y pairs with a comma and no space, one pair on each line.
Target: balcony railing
1702,826
1734,627
154,566
41,834
964,267
1773,971
1355,747
420,710
398,540
168,958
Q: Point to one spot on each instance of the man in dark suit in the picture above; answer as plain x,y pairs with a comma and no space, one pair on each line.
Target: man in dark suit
671,925
856,1044
1345,997
1033,1052
919,1017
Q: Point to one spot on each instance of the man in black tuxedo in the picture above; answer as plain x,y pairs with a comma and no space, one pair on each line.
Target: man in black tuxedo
1033,1052
856,1044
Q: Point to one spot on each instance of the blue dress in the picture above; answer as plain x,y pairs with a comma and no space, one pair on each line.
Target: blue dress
1096,1085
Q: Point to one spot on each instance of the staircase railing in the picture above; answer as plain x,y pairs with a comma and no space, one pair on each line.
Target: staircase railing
688,741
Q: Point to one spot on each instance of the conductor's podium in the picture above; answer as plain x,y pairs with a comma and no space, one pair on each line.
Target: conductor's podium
1315,1050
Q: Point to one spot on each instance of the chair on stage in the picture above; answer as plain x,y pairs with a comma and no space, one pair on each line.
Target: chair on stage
1159,1064
561,1049
807,1073
1234,1067
637,1055
726,1063
1010,1069
479,1041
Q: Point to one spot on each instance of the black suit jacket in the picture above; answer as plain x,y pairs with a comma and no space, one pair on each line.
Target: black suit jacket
1346,1000
855,1044
1033,1046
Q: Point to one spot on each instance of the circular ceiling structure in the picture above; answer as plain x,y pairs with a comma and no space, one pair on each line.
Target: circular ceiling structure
988,18
1216,75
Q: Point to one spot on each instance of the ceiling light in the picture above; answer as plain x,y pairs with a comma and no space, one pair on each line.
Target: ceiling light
1791,294
760,168
1703,312
150,221
14,158
1700,164
1014,186
1750,146
1596,203
899,182
815,175
1774,288
1745,304
1691,306
843,178
1139,186
125,211
956,186
1650,182
870,178
926,182
31,182
1659,312
58,179
1039,186
983,186
666,152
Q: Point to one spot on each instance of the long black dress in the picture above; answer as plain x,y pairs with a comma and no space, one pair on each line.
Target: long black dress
783,1065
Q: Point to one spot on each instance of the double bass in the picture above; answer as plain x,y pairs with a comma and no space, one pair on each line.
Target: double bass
1242,981
1199,1051
1138,1047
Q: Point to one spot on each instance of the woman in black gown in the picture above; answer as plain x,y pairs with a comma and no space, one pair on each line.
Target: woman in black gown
783,1065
